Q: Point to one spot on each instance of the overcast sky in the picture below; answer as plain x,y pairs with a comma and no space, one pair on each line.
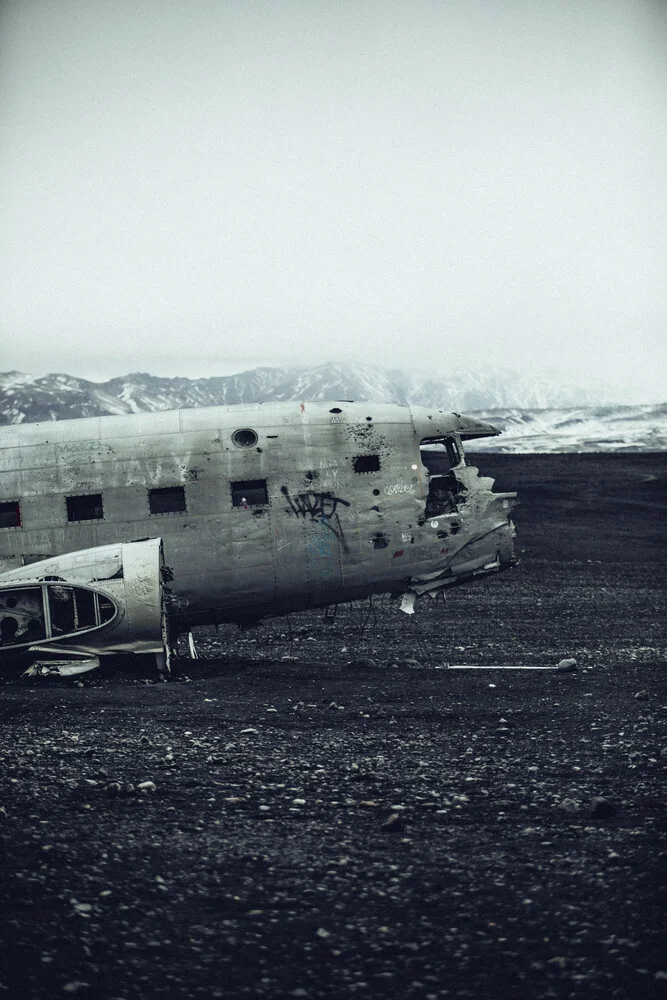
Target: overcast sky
194,187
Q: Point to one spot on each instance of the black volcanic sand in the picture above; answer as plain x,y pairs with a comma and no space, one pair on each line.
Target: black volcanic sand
385,828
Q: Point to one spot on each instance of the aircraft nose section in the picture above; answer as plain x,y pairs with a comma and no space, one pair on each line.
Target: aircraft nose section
469,428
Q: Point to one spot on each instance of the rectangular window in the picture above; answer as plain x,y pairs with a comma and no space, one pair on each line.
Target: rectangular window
85,508
167,500
249,493
366,463
10,514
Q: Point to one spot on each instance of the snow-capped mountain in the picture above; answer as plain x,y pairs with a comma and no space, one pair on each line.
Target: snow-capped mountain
582,429
537,413
57,397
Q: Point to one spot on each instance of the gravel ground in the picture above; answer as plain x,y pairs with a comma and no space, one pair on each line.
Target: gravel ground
331,811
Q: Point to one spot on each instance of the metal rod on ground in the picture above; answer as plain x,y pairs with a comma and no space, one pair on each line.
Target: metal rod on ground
494,666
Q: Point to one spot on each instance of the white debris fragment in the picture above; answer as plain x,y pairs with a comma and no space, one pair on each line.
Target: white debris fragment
408,602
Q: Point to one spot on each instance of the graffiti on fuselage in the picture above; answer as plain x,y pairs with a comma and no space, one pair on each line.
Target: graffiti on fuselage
329,473
319,507
316,506
397,488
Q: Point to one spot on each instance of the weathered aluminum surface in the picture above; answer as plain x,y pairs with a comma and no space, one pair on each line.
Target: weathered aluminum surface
128,574
347,511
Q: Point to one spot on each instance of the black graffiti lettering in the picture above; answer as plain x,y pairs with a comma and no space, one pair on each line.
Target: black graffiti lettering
317,506
320,507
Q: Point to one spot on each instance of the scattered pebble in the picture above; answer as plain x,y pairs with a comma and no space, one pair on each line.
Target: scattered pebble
601,808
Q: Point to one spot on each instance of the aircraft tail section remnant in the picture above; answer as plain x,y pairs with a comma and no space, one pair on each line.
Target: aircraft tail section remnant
109,599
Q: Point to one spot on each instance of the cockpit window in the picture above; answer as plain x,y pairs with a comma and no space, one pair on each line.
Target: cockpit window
21,616
441,456
45,611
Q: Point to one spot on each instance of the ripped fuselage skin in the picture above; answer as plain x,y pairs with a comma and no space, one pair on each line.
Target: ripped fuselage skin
249,510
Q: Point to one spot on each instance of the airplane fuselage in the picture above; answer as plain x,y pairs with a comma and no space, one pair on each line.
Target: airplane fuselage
261,508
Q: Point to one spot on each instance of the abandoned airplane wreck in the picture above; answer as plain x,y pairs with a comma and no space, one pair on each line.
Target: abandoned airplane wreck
118,533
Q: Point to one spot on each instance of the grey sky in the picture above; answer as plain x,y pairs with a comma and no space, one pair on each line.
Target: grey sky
191,187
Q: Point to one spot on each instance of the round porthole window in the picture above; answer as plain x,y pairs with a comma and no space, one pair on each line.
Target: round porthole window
244,438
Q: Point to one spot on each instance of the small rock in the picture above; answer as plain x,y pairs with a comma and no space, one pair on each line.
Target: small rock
322,933
363,662
128,788
642,695
601,808
114,788
408,662
569,806
147,786
394,823
567,666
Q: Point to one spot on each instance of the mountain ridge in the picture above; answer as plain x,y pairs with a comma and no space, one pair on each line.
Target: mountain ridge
536,413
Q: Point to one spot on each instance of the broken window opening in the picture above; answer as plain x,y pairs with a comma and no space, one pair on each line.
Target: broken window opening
10,514
106,609
366,463
87,507
22,616
249,493
72,609
441,456
167,500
